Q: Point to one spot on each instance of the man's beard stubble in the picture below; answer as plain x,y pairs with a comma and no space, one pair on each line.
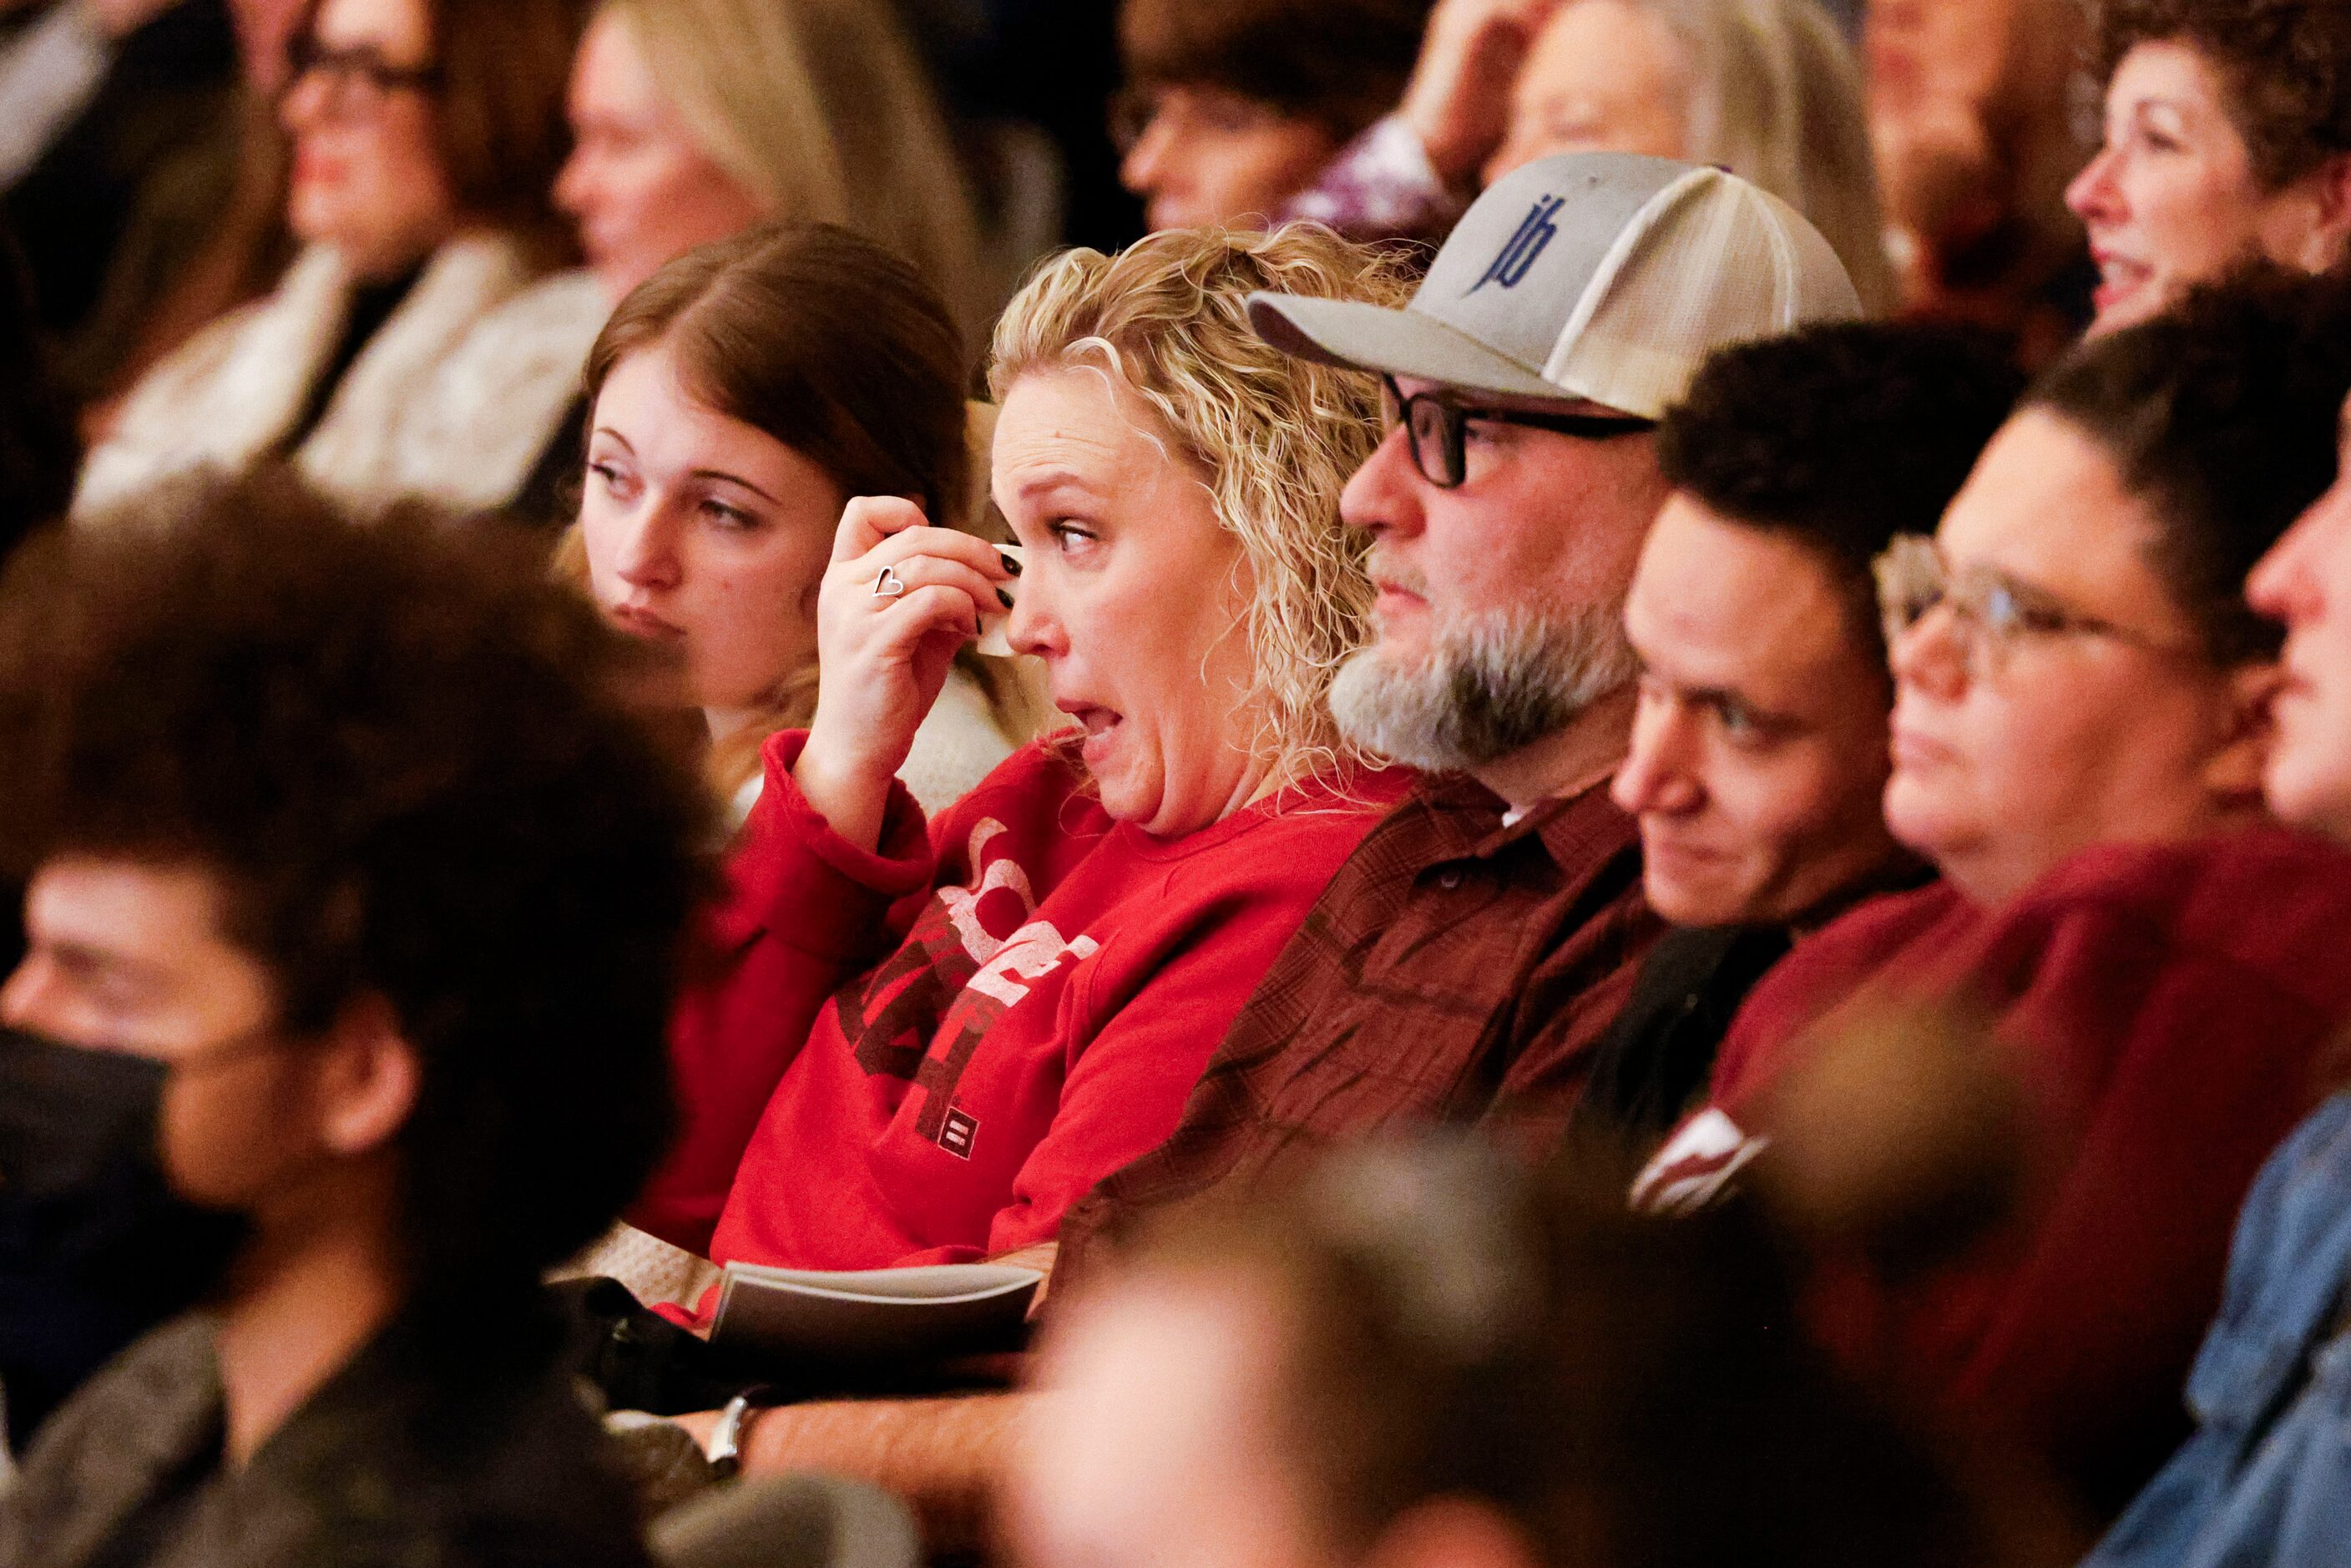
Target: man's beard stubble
1489,685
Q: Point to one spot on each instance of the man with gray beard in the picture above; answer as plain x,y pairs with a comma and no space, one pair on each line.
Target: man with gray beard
1464,962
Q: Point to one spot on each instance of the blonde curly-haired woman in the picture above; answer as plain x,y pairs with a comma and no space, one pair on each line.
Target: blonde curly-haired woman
929,1039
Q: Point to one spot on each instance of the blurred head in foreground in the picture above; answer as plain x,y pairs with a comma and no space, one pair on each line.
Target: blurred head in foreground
1416,1357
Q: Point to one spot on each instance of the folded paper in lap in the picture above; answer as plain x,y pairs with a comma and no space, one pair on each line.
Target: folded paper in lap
794,1319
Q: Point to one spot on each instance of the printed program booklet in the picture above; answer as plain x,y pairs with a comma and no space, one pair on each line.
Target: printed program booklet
812,1318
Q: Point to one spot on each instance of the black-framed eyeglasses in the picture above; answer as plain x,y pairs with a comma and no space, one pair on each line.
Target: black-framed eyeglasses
1434,421
360,69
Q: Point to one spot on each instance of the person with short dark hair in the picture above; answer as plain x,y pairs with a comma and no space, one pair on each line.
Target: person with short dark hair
2079,732
355,886
1758,757
1232,107
2227,139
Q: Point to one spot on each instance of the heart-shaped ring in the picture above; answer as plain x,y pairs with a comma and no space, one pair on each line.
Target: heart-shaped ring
888,585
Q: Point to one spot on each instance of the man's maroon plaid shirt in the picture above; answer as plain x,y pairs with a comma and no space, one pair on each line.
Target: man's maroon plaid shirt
1455,970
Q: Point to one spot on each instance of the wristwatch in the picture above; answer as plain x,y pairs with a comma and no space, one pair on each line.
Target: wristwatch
725,1453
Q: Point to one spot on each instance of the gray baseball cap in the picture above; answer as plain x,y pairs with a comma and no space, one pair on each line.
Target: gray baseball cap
1605,275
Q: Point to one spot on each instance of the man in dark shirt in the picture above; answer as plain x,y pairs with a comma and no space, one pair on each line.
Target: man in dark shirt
1758,758
353,886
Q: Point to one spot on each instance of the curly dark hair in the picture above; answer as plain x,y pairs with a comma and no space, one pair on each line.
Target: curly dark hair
416,768
2285,67
1842,436
2222,414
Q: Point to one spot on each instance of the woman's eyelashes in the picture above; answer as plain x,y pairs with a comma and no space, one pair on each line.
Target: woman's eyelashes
1071,536
728,516
616,481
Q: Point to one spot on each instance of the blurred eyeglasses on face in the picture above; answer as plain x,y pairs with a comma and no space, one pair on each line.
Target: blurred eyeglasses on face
1992,614
1200,111
1437,424
357,80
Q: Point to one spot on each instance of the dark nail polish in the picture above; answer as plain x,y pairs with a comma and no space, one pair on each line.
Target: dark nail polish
1010,564
1006,597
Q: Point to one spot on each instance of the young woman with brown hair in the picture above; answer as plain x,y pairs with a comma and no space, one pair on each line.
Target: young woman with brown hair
740,397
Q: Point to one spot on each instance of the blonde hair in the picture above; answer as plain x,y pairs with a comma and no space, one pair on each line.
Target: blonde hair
1275,438
822,111
1777,99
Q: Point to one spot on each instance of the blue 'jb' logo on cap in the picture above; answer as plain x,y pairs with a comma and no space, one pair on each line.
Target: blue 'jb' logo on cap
1517,254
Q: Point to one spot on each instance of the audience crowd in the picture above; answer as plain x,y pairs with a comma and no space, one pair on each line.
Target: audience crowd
1593,804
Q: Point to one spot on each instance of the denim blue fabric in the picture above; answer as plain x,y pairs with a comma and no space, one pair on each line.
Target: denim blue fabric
2266,1479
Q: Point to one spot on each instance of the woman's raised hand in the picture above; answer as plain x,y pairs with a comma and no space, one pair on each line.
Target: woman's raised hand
898,599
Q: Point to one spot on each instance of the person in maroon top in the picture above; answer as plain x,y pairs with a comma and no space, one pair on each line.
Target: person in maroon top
2079,734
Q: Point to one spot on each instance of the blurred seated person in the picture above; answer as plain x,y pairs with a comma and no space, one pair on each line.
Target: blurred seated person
1765,89
1232,107
423,343
922,1040
1758,753
166,286
2227,139
354,885
1411,1359
118,145
1975,107
696,119
2079,728
2263,1479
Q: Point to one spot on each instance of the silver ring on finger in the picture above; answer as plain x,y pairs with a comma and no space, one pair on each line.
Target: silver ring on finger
889,584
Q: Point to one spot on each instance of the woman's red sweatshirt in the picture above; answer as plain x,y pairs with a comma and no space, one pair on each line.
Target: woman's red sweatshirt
925,1054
